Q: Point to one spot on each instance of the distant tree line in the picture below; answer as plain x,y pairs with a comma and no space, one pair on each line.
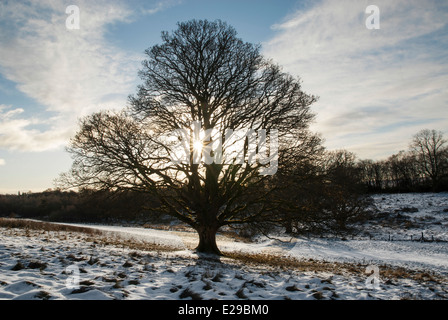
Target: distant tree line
421,168
83,206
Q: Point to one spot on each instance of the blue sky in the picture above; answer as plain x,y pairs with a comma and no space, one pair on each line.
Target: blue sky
376,87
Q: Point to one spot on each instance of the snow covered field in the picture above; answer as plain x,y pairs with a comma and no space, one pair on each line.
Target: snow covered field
394,238
37,264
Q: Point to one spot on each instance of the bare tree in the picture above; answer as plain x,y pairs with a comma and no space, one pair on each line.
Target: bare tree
201,79
431,150
403,171
373,174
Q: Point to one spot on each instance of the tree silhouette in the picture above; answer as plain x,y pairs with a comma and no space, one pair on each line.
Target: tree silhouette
431,151
201,82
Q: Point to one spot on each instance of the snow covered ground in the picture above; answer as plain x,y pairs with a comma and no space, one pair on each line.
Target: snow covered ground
38,264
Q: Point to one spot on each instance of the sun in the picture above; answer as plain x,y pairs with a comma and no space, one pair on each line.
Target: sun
197,145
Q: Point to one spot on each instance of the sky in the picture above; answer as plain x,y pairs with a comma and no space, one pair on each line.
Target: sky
381,76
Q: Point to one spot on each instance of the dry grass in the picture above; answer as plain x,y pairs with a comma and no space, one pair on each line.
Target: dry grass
387,273
45,226
282,262
189,293
132,244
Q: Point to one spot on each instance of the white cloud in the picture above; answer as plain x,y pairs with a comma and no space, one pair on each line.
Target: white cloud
70,72
2,162
374,85
161,6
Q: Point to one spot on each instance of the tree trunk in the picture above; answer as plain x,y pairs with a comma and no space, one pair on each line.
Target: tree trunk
207,240
288,226
435,184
